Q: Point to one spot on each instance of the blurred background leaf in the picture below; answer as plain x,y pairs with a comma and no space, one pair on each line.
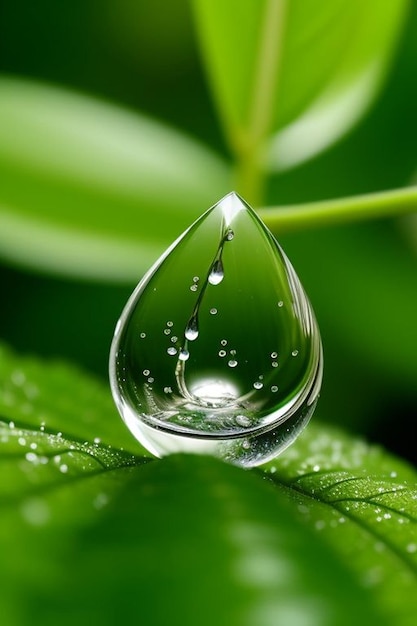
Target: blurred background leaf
269,79
76,174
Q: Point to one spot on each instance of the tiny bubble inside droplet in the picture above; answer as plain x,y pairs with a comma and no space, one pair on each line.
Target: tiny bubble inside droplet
184,355
294,352
232,363
171,351
213,311
258,385
274,388
242,420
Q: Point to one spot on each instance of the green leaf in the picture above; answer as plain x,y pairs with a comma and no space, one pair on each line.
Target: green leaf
299,72
91,190
363,501
90,533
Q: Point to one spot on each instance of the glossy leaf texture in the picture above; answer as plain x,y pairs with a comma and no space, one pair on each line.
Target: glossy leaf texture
298,72
92,533
90,189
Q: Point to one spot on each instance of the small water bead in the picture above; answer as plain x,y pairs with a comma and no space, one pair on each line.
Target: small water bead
184,355
294,353
142,335
167,331
205,397
146,372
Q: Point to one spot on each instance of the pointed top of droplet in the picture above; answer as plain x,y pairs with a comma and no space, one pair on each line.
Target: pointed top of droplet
230,205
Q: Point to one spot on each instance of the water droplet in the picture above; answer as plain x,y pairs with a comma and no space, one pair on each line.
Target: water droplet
199,402
142,335
167,331
294,353
146,372
174,339
191,331
194,287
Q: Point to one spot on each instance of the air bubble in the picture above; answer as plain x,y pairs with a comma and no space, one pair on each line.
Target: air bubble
172,351
258,385
232,363
213,311
222,352
274,388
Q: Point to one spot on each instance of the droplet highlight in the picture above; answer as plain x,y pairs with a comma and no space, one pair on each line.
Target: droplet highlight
205,394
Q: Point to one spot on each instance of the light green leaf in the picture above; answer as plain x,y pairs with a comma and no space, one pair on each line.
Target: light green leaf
364,503
299,72
89,189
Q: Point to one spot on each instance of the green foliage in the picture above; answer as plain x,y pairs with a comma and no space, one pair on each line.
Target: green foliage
92,530
220,532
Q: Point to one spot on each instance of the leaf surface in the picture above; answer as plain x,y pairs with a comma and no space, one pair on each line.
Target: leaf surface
92,190
298,72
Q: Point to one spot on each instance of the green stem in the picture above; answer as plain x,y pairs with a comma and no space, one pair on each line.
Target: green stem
342,210
249,145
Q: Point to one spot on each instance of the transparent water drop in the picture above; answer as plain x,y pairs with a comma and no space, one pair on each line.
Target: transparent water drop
213,405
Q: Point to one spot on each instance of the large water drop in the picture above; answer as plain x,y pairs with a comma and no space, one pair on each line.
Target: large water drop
216,404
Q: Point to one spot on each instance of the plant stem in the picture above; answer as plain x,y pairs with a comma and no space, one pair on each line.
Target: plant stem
249,173
342,210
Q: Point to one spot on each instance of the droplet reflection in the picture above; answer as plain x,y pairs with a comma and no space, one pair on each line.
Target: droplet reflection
219,390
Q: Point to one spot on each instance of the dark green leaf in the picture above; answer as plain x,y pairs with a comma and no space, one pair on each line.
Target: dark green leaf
364,503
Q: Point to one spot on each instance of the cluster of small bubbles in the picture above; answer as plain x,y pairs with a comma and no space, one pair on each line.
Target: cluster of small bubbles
274,388
232,363
174,338
213,311
184,355
146,372
258,384
294,352
280,304
167,390
142,335
222,353
230,234
167,331
172,351
170,324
